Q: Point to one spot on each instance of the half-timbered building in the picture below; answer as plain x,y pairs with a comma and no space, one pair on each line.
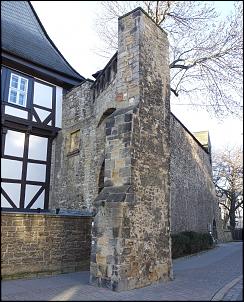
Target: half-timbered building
34,76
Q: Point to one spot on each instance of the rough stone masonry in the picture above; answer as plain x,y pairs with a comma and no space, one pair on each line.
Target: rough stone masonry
131,233
122,155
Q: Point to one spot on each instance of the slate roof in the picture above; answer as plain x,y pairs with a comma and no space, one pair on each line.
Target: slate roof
24,35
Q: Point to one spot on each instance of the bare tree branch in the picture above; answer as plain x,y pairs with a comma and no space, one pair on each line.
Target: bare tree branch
228,180
223,204
207,47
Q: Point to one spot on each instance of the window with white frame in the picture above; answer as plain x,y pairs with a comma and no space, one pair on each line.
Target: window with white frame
18,90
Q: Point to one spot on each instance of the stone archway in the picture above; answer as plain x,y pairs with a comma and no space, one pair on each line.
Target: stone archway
106,114
100,140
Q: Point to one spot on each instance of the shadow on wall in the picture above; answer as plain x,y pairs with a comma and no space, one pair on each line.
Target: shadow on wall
105,115
101,178
100,147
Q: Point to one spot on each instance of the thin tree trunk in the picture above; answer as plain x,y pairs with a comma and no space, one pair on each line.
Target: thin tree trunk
232,216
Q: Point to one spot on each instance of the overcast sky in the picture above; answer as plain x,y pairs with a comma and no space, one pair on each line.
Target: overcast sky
71,26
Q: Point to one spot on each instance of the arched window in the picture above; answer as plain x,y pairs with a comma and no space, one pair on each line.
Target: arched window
106,114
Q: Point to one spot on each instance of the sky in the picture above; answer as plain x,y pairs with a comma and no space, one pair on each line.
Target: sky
71,26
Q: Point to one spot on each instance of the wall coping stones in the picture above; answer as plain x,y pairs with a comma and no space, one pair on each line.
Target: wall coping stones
136,11
43,215
189,132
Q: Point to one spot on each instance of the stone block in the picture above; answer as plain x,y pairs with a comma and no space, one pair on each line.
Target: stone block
128,117
124,128
110,123
28,253
108,131
116,197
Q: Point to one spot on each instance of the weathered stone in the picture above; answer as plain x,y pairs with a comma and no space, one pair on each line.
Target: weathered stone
193,195
108,131
122,167
49,244
110,123
128,117
150,171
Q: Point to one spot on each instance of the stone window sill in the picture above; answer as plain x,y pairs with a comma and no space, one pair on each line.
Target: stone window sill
74,152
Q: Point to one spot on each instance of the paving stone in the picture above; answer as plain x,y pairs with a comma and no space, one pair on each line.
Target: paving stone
235,293
197,278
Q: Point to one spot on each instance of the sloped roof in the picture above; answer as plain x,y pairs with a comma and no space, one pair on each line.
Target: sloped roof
24,36
202,137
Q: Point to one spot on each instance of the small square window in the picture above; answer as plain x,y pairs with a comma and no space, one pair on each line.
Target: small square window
23,85
21,99
18,90
74,141
13,96
14,82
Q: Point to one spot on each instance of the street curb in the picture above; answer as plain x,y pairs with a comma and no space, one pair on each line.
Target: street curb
220,293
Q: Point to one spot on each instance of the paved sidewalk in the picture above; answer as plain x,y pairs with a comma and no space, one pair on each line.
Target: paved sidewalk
235,293
197,278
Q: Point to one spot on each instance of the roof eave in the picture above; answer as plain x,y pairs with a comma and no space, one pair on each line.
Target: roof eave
42,72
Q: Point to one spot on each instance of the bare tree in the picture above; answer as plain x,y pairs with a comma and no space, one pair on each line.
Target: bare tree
228,180
205,50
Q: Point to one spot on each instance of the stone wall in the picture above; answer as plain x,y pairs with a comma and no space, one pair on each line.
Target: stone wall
75,175
40,244
131,239
122,164
73,186
192,191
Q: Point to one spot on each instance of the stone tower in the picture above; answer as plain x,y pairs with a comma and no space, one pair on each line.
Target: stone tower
131,231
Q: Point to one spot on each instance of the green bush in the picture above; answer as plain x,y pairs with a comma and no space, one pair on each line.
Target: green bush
190,242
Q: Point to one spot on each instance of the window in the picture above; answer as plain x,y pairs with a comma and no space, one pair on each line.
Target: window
18,90
74,141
